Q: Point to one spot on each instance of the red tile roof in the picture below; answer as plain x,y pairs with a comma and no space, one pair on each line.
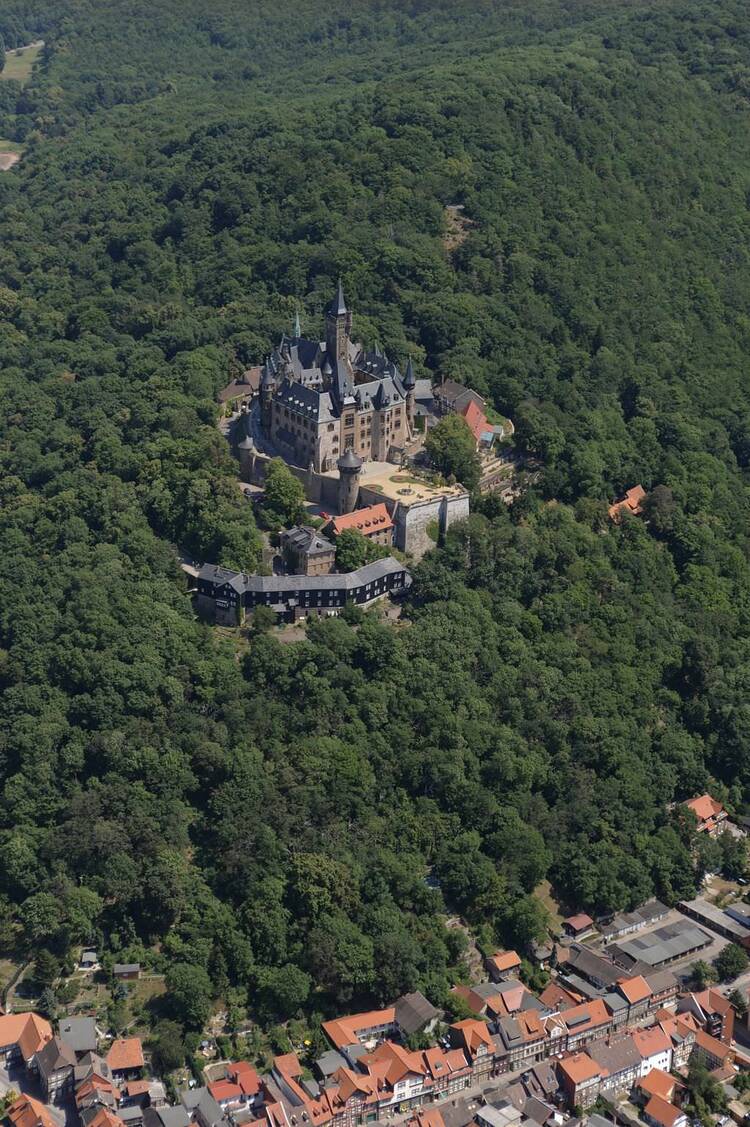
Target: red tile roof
476,419
650,1041
658,1083
246,1076
555,996
580,1067
28,1112
663,1112
632,502
712,1046
595,1011
474,1033
225,1090
375,518
579,921
705,808
29,1031
344,1031
125,1053
634,989
505,960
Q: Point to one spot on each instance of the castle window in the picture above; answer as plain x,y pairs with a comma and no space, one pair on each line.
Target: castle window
348,420
330,426
349,441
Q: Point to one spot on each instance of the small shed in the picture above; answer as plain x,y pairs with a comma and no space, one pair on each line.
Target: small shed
126,970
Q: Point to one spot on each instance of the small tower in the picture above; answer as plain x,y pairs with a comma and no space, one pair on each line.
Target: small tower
338,327
350,467
267,388
246,455
297,325
409,385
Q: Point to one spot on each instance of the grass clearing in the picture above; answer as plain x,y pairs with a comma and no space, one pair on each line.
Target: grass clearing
19,62
543,892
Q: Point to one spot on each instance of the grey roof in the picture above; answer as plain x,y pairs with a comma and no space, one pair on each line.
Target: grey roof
132,1114
623,922
79,1033
349,460
590,965
458,394
615,1002
308,540
617,1057
92,1062
338,305
537,1110
413,1011
662,945
310,402
409,379
56,1054
166,1116
660,980
125,968
542,1079
330,1062
458,1113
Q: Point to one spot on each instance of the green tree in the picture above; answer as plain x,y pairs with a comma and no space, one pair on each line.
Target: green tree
739,1001
283,991
731,962
284,496
167,1046
702,974
451,447
353,550
190,994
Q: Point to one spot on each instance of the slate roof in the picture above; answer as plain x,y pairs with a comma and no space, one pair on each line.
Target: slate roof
55,1055
307,540
79,1033
413,1011
351,581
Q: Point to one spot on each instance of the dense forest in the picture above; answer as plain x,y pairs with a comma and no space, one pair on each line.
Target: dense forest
287,831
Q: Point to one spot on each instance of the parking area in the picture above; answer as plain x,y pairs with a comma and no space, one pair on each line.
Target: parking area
682,967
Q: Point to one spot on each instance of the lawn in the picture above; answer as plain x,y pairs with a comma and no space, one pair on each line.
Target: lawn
19,62
10,146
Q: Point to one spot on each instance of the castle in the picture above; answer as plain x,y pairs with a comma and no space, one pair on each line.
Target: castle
323,400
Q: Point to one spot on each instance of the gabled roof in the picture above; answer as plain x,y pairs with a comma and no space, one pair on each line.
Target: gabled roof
343,1031
414,1010
56,1054
663,1112
374,518
579,921
658,1083
474,1034
106,1118
704,807
125,1053
634,989
585,1016
29,1031
630,503
505,960
580,1067
28,1112
651,1041
558,997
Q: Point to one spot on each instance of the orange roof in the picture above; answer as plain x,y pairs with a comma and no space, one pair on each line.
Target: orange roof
663,1112
595,1010
98,1084
555,996
137,1087
580,1068
658,1083
28,1112
505,960
105,1118
224,1090
634,989
579,921
704,807
650,1041
474,1034
632,502
29,1031
344,1031
125,1053
246,1076
428,1117
712,1045
476,419
398,1061
375,518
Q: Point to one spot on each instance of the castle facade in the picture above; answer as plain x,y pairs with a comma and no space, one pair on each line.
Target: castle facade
320,399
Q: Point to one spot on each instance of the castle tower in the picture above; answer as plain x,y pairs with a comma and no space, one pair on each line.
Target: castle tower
409,386
338,327
267,388
350,468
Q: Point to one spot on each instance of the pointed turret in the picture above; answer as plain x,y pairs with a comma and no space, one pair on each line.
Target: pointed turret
338,327
297,326
409,385
338,305
409,380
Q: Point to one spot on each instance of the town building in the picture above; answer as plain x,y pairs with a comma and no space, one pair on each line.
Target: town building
415,1014
306,552
28,1112
22,1036
54,1065
579,925
321,397
581,1079
709,812
226,596
661,947
126,971
712,1011
716,919
373,522
80,1034
502,965
125,1059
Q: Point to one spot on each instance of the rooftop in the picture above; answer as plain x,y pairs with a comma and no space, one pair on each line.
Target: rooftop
403,485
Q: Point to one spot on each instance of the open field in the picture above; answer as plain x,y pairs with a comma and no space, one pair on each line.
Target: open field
20,61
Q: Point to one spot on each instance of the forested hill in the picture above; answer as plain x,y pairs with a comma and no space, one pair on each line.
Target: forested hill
188,179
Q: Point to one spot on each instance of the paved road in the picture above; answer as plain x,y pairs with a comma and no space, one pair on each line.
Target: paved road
19,1080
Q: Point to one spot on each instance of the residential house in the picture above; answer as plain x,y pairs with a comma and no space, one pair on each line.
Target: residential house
126,971
452,398
556,997
373,522
448,1072
585,1023
664,988
202,1108
136,1093
631,503
681,1032
415,1014
427,1117
28,1112
21,1037
306,552
476,1041
712,1011
655,1049
102,1117
621,1062
80,1034
502,965
522,1040
662,1084
599,970
164,1116
660,1113
637,993
711,1051
710,813
363,1029
125,1059
577,926
54,1065
581,1079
